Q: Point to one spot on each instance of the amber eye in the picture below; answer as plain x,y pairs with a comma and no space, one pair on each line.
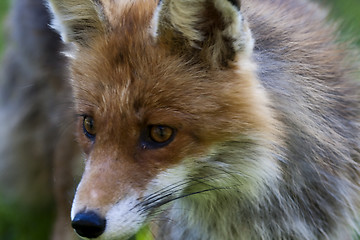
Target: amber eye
89,127
161,134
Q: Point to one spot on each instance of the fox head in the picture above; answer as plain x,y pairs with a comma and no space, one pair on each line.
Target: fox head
169,108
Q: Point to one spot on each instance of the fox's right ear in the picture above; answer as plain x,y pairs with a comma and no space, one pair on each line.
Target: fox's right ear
211,31
78,21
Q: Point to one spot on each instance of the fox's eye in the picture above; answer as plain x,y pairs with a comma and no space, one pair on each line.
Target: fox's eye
161,134
89,127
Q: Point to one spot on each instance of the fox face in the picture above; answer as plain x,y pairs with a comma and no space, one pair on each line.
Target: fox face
175,125
159,90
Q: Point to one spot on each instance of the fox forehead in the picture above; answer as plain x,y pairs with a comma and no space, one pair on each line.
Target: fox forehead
126,80
145,84
128,75
130,86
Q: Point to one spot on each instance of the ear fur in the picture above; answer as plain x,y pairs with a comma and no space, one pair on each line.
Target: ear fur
77,21
214,29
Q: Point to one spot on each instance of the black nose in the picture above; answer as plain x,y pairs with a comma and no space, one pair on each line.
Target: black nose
88,224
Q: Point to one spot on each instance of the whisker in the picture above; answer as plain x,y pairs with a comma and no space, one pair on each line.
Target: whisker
166,194
180,197
166,189
155,196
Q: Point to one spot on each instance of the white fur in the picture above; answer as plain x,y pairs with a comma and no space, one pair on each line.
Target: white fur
58,22
154,25
168,177
123,219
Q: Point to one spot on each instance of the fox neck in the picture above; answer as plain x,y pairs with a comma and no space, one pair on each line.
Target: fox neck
209,211
214,215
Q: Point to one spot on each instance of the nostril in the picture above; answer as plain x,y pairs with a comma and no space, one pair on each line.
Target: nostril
88,224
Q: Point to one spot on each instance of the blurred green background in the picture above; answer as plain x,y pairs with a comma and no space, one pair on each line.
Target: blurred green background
4,5
346,12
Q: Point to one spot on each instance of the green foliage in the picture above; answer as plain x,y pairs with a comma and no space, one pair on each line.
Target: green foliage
143,234
347,13
4,5
19,222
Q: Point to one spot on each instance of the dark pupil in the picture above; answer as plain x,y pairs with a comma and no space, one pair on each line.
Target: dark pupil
161,132
90,124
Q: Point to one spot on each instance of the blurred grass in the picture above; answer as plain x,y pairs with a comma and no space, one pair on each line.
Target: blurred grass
18,222
4,5
347,11
143,234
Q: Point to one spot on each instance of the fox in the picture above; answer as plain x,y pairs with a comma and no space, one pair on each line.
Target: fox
212,119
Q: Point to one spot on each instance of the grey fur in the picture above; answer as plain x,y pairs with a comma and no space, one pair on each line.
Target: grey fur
310,80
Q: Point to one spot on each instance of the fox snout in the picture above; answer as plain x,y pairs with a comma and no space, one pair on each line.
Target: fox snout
95,217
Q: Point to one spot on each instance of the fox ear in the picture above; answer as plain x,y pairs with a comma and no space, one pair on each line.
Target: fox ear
77,21
213,30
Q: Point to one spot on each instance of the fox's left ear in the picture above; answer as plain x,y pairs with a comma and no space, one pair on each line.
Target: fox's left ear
78,21
212,30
